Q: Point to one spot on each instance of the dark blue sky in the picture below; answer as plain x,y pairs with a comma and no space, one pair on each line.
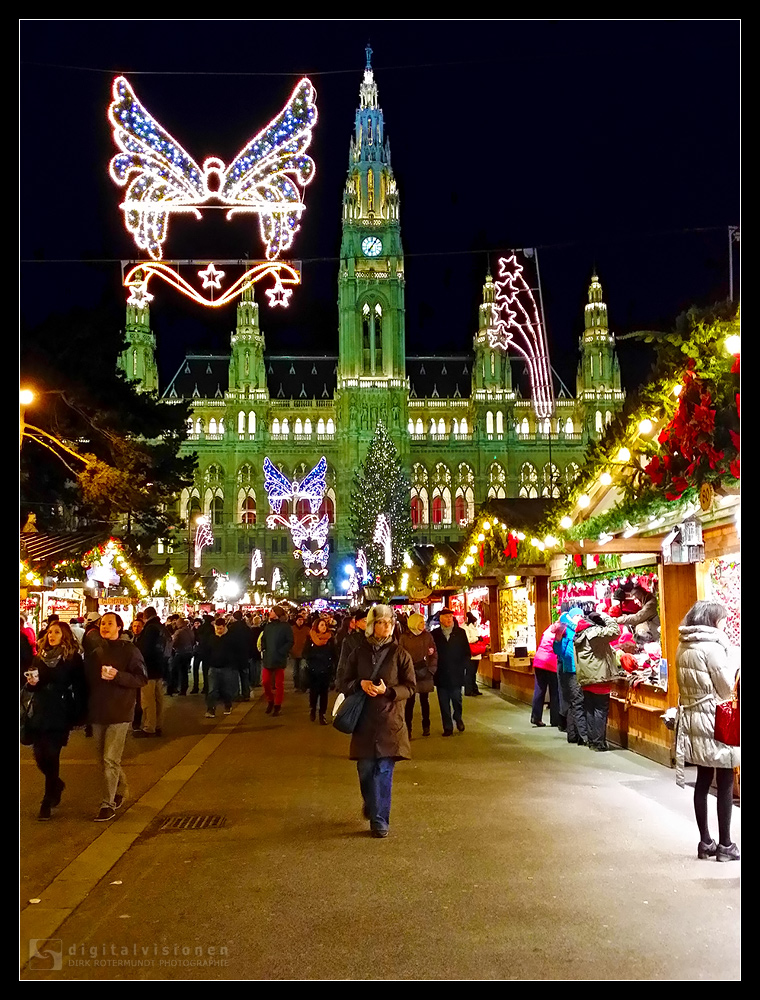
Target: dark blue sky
606,143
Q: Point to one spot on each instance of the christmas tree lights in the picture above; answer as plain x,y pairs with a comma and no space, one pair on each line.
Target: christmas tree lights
516,323
161,177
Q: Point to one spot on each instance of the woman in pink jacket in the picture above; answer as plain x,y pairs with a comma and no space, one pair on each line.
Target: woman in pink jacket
545,675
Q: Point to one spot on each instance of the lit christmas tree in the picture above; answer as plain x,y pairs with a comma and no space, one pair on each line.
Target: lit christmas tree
381,490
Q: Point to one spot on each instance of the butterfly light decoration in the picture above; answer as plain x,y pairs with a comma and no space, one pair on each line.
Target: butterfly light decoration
161,177
307,528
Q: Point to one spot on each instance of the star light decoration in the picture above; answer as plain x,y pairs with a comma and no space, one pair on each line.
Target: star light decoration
203,536
162,178
137,278
305,529
516,323
382,537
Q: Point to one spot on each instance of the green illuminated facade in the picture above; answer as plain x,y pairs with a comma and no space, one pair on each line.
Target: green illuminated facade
463,429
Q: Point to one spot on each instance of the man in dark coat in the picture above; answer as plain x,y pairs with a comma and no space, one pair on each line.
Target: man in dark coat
223,675
385,672
453,659
241,640
154,643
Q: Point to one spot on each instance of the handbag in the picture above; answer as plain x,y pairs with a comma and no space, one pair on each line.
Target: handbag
727,719
350,710
26,713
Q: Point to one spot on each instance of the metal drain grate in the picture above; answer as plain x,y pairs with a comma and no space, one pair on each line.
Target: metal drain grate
199,821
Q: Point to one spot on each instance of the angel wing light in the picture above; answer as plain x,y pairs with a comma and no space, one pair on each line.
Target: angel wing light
160,177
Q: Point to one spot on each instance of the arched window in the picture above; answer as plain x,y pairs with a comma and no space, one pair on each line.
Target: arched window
552,479
221,426
307,426
455,426
410,426
248,511
416,512
569,426
463,426
217,510
302,508
241,422
212,426
598,424
299,426
489,422
366,340
497,481
419,427
441,426
499,422
285,427
437,509
607,418
528,481
378,340
252,422
330,426
275,426
328,507
525,426
432,427
460,510
320,426
199,426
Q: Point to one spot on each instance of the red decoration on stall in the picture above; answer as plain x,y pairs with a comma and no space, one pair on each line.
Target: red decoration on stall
511,550
480,554
578,560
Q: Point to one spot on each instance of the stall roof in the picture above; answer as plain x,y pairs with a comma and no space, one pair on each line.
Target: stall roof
44,551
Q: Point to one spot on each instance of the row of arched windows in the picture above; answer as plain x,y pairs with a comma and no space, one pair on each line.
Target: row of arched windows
246,424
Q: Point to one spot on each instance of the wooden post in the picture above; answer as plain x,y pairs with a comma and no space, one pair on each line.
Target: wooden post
493,617
678,592
543,609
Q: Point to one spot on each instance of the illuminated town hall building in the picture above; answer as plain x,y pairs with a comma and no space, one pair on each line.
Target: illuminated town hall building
463,429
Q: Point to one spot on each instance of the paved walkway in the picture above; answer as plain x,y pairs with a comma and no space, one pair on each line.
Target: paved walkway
512,855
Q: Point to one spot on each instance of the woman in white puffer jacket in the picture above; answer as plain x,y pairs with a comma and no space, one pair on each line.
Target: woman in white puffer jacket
705,678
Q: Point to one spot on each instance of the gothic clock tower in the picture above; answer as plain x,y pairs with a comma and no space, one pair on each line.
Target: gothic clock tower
372,382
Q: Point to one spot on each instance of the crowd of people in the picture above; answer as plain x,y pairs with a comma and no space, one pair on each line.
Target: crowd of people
111,679
114,679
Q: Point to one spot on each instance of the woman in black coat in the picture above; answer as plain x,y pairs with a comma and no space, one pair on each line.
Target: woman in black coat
55,683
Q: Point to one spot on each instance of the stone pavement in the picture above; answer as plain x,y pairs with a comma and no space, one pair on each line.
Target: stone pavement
512,855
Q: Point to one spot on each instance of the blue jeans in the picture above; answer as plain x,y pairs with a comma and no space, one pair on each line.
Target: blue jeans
376,781
450,700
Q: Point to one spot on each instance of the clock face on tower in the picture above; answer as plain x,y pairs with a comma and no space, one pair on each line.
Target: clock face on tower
372,246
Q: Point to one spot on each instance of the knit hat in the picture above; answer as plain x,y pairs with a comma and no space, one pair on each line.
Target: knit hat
376,613
416,623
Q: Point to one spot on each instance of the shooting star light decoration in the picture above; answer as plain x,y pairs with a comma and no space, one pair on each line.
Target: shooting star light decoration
517,323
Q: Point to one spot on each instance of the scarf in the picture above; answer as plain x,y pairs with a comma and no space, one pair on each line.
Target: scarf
51,656
374,640
319,638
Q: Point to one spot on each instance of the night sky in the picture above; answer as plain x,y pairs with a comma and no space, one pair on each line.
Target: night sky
612,144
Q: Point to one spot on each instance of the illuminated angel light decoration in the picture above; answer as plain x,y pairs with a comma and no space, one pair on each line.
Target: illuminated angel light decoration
138,276
203,536
257,562
103,572
161,178
517,324
309,528
382,536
